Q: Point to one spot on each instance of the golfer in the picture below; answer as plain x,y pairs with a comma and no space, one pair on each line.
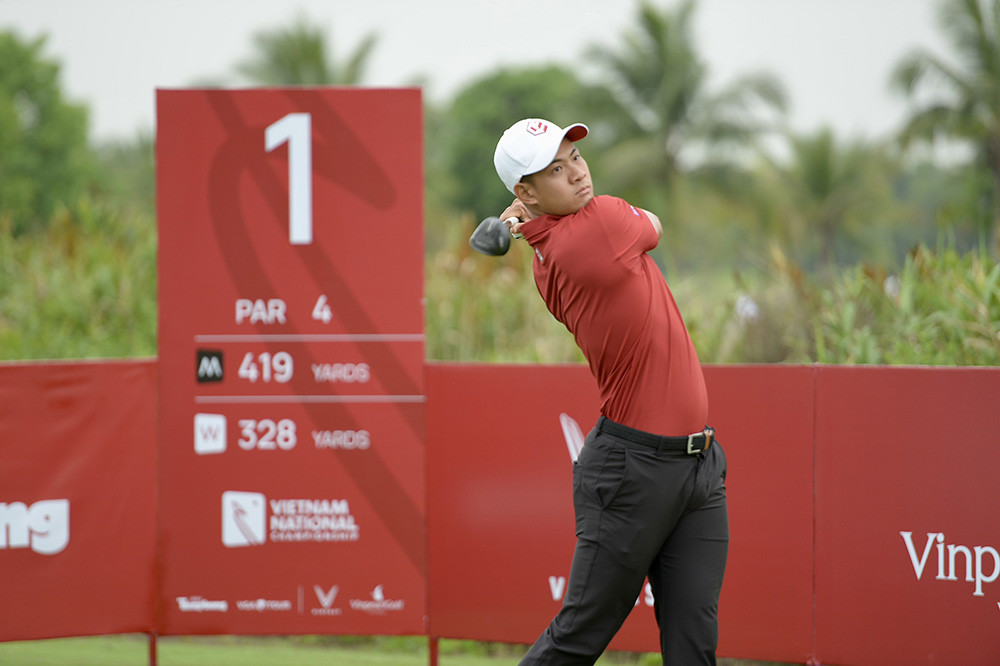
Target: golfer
649,485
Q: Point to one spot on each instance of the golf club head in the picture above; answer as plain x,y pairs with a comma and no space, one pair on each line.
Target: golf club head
491,237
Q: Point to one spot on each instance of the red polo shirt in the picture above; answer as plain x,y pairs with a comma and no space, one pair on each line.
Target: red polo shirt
592,270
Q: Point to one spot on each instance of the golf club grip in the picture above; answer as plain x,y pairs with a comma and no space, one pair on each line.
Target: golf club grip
512,220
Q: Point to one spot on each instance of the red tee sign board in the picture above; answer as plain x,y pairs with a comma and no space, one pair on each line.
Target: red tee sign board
291,350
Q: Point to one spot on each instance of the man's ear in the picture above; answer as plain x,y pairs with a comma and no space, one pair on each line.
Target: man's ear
525,193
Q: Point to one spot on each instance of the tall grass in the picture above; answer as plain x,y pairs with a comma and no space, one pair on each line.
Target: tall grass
487,309
84,286
941,308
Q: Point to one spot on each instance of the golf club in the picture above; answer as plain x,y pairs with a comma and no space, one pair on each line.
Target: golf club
492,237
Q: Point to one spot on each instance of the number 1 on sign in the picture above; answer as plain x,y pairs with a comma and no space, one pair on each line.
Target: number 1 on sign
295,129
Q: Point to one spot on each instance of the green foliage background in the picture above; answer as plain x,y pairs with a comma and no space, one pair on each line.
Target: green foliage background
824,250
83,286
44,158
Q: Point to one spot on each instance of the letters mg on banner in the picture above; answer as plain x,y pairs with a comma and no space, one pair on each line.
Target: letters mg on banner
291,361
77,510
43,526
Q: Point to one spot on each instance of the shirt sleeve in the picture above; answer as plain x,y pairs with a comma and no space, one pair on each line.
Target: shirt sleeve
628,229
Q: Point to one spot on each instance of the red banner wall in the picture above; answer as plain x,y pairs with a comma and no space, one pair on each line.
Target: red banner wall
893,465
764,418
501,516
907,524
77,507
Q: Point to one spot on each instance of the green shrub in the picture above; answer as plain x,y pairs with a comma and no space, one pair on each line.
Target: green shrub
942,308
82,286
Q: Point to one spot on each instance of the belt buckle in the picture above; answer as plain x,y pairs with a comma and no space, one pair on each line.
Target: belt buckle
708,433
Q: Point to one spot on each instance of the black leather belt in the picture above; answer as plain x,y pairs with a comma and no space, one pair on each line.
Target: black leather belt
692,444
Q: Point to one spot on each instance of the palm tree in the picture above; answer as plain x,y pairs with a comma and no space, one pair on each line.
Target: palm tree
665,111
298,55
836,190
967,108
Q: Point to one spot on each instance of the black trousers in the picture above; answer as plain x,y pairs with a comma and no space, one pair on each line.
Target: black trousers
642,511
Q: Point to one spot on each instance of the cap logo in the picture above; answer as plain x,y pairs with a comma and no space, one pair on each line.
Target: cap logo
537,127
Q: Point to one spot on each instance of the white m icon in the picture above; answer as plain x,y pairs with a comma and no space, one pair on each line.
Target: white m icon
209,366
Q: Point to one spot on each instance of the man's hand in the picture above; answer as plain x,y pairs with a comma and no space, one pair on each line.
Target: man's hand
520,211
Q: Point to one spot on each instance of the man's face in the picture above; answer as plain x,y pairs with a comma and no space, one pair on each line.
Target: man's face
561,188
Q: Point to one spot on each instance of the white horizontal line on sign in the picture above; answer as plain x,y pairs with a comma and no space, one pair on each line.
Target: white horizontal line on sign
205,399
306,337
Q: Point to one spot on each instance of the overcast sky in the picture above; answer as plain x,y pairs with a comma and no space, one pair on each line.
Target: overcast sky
834,56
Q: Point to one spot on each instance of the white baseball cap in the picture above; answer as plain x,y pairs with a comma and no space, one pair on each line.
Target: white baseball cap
530,145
